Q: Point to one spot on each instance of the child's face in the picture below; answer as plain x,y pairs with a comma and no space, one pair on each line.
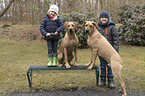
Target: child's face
52,14
104,20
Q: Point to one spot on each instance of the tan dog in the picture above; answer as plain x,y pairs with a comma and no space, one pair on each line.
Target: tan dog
100,46
68,45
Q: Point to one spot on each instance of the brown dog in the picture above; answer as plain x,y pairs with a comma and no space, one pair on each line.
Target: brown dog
100,46
68,45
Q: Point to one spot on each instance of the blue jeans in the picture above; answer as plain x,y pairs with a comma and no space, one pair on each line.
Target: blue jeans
52,48
103,66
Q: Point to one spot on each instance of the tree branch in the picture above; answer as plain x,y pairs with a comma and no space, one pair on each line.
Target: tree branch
85,6
6,9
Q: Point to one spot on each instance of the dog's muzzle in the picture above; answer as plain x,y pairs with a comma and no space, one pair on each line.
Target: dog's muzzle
70,30
87,31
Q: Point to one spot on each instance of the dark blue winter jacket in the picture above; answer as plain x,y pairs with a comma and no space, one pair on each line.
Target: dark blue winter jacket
110,33
51,26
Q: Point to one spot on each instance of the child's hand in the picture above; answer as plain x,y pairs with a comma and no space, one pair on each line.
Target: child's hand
56,33
48,34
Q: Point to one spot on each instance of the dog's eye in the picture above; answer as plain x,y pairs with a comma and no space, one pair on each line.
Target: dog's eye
68,25
73,25
86,25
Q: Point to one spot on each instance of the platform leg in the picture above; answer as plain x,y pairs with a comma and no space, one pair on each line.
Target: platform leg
29,76
97,76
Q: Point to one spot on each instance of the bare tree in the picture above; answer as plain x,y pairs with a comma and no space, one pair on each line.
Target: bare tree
33,11
14,20
84,3
59,3
39,10
6,9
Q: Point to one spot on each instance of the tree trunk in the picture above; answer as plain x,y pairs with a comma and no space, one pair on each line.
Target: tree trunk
59,3
33,11
21,10
39,10
14,21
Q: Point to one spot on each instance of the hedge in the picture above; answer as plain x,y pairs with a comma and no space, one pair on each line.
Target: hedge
132,19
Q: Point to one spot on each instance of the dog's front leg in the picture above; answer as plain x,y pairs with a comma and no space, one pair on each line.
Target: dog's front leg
59,59
66,59
88,63
93,58
75,55
90,59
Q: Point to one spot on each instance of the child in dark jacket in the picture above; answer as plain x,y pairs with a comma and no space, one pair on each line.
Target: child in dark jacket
50,28
108,30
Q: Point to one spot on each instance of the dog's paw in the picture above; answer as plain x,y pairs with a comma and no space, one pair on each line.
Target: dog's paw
86,65
75,64
121,90
60,65
68,66
89,68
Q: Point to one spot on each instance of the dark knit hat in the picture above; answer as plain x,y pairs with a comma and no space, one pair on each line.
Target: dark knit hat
104,14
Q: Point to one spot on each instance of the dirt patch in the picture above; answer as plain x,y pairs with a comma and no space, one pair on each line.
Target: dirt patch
21,32
74,92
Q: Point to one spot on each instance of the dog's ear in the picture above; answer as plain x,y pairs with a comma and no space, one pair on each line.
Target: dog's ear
83,24
76,26
95,24
65,26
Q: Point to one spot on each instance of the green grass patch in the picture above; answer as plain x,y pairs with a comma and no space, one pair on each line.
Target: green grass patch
133,71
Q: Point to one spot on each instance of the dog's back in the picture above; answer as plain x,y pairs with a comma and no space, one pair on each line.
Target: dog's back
105,49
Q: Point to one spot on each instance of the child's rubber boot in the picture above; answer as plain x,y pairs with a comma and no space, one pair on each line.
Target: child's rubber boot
50,61
54,61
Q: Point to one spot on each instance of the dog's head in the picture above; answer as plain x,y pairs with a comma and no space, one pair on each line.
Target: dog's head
89,26
71,26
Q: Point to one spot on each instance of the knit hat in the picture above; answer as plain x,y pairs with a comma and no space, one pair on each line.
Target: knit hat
104,14
53,8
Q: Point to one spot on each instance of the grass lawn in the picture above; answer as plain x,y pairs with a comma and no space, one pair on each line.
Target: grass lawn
16,56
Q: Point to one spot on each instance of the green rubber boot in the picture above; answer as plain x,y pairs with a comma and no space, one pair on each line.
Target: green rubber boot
54,61
50,61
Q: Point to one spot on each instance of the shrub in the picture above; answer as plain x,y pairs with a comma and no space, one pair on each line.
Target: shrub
132,19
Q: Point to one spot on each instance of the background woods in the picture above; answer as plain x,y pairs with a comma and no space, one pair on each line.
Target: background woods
33,11
17,12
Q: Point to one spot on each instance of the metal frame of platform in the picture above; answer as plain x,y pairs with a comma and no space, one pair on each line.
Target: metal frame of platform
81,67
